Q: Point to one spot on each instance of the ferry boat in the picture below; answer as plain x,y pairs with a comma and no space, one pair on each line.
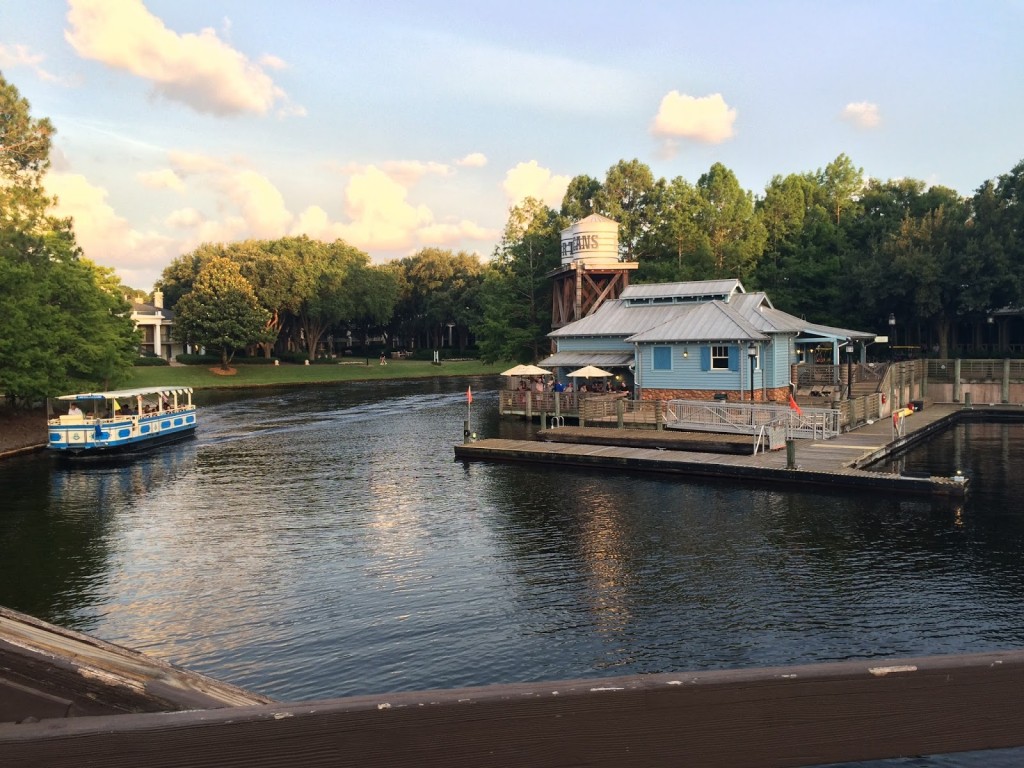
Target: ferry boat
123,421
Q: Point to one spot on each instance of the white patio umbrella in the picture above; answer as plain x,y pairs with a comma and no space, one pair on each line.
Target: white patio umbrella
535,370
589,372
526,370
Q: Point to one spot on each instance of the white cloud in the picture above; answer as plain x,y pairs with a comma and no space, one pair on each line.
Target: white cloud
184,218
380,215
105,237
453,233
531,180
165,178
198,70
270,61
707,119
473,160
862,114
230,201
12,56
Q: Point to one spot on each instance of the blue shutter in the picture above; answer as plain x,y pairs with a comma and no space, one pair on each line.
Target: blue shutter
734,358
662,358
705,358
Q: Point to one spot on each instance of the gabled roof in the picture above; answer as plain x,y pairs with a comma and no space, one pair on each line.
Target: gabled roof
710,321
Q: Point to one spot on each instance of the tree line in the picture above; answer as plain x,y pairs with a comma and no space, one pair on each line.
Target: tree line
828,245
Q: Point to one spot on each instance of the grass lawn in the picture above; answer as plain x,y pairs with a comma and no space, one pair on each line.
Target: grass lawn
199,377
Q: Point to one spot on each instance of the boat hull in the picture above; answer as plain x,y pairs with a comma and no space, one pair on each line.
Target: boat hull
108,437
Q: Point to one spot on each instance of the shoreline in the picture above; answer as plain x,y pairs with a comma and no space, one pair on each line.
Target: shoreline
22,432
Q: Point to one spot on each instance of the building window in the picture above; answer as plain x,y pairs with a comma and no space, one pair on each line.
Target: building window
720,358
662,358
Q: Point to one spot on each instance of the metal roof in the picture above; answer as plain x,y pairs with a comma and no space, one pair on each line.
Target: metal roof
710,321
744,317
688,291
577,358
616,318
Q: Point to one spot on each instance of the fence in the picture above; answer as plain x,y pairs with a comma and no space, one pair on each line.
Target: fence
750,418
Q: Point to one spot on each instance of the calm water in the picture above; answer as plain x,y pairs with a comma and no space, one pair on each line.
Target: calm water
315,543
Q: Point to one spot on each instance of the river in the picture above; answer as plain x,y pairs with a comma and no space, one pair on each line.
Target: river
322,542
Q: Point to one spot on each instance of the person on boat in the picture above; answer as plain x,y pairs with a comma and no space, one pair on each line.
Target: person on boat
74,410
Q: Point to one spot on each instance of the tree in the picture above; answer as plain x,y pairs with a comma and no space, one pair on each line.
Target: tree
630,196
677,251
221,311
273,269
578,200
439,287
343,289
516,293
840,182
64,324
732,232
179,277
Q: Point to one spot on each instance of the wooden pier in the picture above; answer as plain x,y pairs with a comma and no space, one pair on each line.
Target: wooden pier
837,463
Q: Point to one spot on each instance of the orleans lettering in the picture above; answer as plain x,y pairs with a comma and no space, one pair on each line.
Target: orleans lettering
578,243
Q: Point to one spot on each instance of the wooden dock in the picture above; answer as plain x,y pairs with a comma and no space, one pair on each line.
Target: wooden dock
837,463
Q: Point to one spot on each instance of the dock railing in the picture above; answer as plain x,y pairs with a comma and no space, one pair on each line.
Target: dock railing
749,418
616,410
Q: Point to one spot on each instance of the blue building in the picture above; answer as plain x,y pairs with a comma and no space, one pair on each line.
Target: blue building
699,340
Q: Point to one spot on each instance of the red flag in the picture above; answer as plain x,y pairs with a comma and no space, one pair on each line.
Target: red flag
469,395
794,406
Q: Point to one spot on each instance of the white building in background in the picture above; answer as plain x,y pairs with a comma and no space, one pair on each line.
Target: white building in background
156,323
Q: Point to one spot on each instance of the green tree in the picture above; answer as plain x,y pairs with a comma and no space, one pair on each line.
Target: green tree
578,201
516,293
343,289
439,287
678,251
179,277
733,234
631,196
221,311
63,321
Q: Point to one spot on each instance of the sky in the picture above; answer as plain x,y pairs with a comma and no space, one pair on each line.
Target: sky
400,125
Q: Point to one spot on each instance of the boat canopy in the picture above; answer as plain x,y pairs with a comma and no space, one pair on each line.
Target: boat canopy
127,393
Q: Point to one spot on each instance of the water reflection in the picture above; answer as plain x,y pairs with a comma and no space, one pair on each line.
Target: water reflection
322,542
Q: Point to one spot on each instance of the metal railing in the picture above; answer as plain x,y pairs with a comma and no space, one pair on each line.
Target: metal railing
750,418
942,371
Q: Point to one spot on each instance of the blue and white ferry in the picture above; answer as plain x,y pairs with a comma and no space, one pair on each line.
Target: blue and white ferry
124,421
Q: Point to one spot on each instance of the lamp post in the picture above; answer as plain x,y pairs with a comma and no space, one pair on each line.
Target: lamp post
849,370
892,337
752,354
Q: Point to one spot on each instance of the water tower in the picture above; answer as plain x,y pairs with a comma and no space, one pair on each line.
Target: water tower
591,272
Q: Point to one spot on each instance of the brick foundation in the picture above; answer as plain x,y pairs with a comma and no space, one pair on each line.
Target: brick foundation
778,395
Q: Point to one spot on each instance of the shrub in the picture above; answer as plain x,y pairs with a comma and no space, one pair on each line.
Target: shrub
186,359
150,361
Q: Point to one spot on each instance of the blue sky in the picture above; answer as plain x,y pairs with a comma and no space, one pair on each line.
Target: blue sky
403,125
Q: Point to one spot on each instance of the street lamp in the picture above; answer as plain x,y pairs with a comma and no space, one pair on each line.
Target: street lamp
849,370
892,337
752,354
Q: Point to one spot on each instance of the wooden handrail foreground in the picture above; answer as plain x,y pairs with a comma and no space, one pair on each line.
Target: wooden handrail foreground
787,716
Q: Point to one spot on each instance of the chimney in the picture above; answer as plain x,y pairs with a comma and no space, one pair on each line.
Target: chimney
158,299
